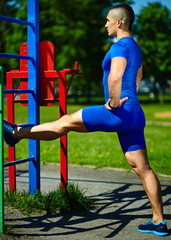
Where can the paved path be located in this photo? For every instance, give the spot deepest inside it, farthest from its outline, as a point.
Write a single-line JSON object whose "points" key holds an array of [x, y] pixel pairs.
{"points": [[122, 205], [159, 123]]}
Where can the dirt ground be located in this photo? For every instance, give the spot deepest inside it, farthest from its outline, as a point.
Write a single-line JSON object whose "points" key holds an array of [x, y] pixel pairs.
{"points": [[163, 115]]}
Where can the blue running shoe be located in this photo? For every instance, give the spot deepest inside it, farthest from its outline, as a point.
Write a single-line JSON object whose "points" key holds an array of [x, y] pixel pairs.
{"points": [[8, 134], [150, 227]]}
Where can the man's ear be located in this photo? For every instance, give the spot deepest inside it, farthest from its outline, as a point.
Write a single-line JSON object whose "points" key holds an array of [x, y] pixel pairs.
{"points": [[120, 22]]}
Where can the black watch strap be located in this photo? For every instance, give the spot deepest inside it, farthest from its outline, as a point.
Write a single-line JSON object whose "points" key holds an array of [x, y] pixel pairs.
{"points": [[113, 108]]}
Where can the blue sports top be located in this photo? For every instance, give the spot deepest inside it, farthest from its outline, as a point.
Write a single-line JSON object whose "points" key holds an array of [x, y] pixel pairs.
{"points": [[127, 48]]}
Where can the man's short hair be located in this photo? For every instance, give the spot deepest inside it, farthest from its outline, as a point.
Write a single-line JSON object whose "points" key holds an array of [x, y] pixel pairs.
{"points": [[126, 13]]}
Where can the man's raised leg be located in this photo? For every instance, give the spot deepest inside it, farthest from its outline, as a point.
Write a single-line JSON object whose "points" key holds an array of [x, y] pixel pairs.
{"points": [[51, 130]]}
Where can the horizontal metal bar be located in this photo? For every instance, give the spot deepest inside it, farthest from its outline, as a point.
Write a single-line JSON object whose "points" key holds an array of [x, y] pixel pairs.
{"points": [[18, 161], [19, 91], [45, 100], [7, 55], [14, 20], [25, 125], [56, 74]]}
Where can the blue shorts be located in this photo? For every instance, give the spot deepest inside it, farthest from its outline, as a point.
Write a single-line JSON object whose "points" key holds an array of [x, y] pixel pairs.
{"points": [[128, 121]]}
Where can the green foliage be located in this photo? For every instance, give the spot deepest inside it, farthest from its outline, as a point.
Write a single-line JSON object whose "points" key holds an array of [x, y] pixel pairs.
{"points": [[58, 201], [76, 28], [73, 199], [26, 203], [153, 32], [10, 41]]}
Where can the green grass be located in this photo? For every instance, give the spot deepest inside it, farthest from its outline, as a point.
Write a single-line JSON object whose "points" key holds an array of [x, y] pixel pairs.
{"points": [[151, 109], [58, 201], [102, 149]]}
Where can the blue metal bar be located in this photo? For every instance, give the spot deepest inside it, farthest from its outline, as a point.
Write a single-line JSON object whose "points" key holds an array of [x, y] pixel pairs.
{"points": [[25, 125], [18, 162], [16, 56], [33, 100], [18, 91], [14, 20]]}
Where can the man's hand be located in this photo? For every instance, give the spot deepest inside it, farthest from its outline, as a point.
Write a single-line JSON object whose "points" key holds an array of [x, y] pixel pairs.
{"points": [[120, 104]]}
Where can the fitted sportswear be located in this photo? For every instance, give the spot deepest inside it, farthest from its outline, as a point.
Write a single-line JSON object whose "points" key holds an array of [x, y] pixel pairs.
{"points": [[128, 121]]}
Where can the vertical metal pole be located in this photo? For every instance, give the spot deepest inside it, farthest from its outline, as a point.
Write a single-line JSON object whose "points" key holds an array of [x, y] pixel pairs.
{"points": [[33, 83], [63, 140], [11, 150], [1, 155]]}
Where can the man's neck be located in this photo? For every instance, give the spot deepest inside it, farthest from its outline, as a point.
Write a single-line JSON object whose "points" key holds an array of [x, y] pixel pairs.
{"points": [[121, 34]]}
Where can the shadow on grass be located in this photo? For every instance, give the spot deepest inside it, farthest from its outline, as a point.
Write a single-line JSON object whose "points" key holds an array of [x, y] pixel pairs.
{"points": [[114, 211]]}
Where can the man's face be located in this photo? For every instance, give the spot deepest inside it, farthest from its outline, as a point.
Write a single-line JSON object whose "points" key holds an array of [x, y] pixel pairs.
{"points": [[111, 24]]}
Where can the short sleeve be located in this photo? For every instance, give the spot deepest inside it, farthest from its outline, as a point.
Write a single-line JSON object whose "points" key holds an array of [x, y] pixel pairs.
{"points": [[119, 50]]}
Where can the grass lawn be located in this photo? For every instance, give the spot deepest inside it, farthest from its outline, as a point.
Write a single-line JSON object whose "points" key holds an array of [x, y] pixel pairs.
{"points": [[102, 149]]}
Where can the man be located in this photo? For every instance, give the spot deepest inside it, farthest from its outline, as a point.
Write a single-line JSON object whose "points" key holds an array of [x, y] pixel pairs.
{"points": [[122, 72]]}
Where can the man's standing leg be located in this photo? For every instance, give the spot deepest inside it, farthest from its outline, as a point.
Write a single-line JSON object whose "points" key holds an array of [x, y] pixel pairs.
{"points": [[139, 162]]}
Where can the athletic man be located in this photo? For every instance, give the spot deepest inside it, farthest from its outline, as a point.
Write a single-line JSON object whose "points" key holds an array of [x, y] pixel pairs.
{"points": [[122, 68]]}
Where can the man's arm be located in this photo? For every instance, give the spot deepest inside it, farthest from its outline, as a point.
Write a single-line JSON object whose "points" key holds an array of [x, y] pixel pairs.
{"points": [[117, 70], [139, 77]]}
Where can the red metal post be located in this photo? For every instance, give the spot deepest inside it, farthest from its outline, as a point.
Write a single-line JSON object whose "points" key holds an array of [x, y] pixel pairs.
{"points": [[47, 98], [63, 140], [76, 66], [10, 118]]}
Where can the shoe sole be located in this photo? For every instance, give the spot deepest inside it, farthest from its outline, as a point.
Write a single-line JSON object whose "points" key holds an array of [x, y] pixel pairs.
{"points": [[154, 232]]}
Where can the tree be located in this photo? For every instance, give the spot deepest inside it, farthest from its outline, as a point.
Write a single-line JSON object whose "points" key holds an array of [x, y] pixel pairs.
{"points": [[8, 8], [76, 33], [77, 30], [153, 31]]}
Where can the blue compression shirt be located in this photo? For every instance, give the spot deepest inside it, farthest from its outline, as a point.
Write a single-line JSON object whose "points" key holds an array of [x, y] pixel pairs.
{"points": [[127, 48], [128, 120]]}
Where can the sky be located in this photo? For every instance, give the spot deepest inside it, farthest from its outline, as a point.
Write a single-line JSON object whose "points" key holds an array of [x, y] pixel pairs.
{"points": [[139, 4]]}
